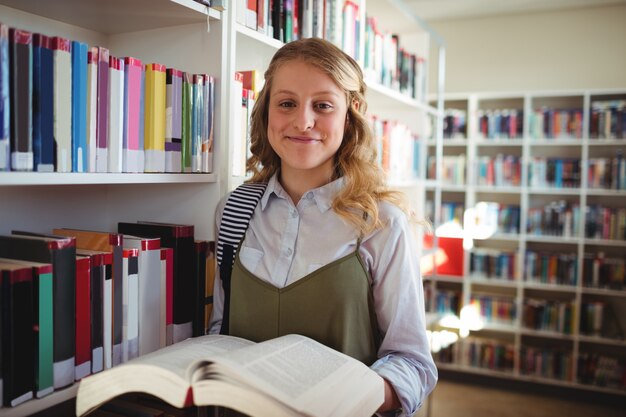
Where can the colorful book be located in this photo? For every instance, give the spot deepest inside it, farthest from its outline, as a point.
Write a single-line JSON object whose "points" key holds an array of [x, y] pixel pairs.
{"points": [[80, 153], [132, 152], [197, 121], [187, 108], [83, 317], [42, 324], [154, 119], [62, 93], [207, 125], [92, 106], [173, 119], [21, 87], [106, 242], [5, 99], [43, 105], [61, 253], [18, 336], [102, 110], [116, 114]]}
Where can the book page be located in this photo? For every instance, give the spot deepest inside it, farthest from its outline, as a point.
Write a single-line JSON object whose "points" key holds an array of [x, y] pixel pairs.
{"points": [[304, 374]]}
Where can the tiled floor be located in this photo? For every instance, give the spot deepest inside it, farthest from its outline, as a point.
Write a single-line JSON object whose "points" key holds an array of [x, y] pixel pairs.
{"points": [[467, 399]]}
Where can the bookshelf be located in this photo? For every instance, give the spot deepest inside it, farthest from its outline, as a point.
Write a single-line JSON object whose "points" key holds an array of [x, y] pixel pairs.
{"points": [[191, 37], [548, 281]]}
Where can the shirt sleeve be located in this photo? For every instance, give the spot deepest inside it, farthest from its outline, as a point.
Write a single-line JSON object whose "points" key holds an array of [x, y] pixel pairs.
{"points": [[404, 355]]}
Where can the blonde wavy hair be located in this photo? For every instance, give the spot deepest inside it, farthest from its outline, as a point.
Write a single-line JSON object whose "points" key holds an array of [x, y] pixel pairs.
{"points": [[355, 159]]}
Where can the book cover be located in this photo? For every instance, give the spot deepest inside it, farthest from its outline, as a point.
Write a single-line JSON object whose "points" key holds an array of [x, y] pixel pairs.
{"points": [[209, 142], [62, 93], [173, 119], [61, 253], [18, 336], [43, 105], [102, 110], [42, 324], [83, 317], [92, 107], [79, 107], [181, 238], [132, 153], [21, 87], [154, 119], [5, 99], [210, 270], [200, 257], [116, 114], [285, 376]]}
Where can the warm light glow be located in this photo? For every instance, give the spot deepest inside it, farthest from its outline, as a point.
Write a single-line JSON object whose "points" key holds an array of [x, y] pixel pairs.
{"points": [[441, 339], [430, 260]]}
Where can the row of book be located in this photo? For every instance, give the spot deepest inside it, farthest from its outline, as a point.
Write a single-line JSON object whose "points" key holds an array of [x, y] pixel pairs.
{"points": [[501, 170], [550, 123], [398, 149], [76, 302], [71, 107], [607, 173], [500, 123], [447, 302], [453, 169], [549, 315], [554, 172], [602, 271], [493, 264], [602, 370], [551, 268], [551, 363], [489, 354], [454, 124], [557, 218], [605, 222], [608, 120], [494, 309]]}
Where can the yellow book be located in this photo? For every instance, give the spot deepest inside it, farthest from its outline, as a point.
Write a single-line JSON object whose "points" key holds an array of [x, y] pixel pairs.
{"points": [[154, 118]]}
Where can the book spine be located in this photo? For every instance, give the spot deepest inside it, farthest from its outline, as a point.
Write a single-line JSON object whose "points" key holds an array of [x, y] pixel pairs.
{"points": [[43, 314], [187, 108], [79, 107], [116, 114], [43, 105], [196, 123], [133, 70], [98, 272], [92, 106], [5, 98], [83, 318], [173, 120], [21, 86], [102, 125], [154, 142], [62, 75]]}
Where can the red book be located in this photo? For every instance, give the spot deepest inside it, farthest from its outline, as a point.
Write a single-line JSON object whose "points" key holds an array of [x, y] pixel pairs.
{"points": [[83, 317]]}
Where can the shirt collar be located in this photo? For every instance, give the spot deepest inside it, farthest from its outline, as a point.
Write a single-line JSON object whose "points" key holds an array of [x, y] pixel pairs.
{"points": [[323, 196]]}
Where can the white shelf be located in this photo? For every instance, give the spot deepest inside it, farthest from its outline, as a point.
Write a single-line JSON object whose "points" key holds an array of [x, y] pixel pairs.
{"points": [[39, 404], [72, 178]]}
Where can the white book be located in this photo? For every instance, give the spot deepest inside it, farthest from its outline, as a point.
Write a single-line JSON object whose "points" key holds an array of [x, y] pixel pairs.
{"points": [[291, 375], [130, 305], [62, 69], [149, 277], [108, 322]]}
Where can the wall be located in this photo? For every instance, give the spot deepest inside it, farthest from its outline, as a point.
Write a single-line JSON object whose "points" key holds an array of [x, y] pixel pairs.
{"points": [[572, 49]]}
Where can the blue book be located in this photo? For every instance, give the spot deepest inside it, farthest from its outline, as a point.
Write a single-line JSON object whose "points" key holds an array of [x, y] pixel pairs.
{"points": [[5, 108], [43, 104], [79, 107]]}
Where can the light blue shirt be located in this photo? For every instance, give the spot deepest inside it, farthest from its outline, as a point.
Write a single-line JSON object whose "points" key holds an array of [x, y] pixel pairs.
{"points": [[284, 243]]}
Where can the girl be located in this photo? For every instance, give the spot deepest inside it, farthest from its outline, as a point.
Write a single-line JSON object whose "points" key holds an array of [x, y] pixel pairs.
{"points": [[329, 252]]}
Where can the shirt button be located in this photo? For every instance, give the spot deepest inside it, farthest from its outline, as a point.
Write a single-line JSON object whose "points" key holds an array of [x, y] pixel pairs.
{"points": [[309, 195], [288, 252], [294, 213]]}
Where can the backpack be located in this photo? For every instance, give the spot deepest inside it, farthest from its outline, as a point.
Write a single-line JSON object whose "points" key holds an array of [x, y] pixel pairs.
{"points": [[236, 217]]}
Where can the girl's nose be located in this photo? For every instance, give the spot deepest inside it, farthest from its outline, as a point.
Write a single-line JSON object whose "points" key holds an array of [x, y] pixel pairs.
{"points": [[304, 119]]}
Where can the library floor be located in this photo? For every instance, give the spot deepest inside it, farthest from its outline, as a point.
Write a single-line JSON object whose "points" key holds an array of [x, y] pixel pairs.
{"points": [[455, 399]]}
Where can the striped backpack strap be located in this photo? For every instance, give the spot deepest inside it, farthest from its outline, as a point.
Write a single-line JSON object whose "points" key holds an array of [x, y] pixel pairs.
{"points": [[236, 217]]}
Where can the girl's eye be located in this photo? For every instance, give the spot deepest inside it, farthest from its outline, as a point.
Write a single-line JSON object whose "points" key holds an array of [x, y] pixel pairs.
{"points": [[286, 104], [324, 106]]}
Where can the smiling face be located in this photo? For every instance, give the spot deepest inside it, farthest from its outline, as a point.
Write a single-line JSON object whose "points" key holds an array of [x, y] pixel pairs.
{"points": [[306, 120]]}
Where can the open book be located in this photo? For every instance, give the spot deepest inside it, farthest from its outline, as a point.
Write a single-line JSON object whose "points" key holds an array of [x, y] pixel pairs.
{"points": [[288, 376]]}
